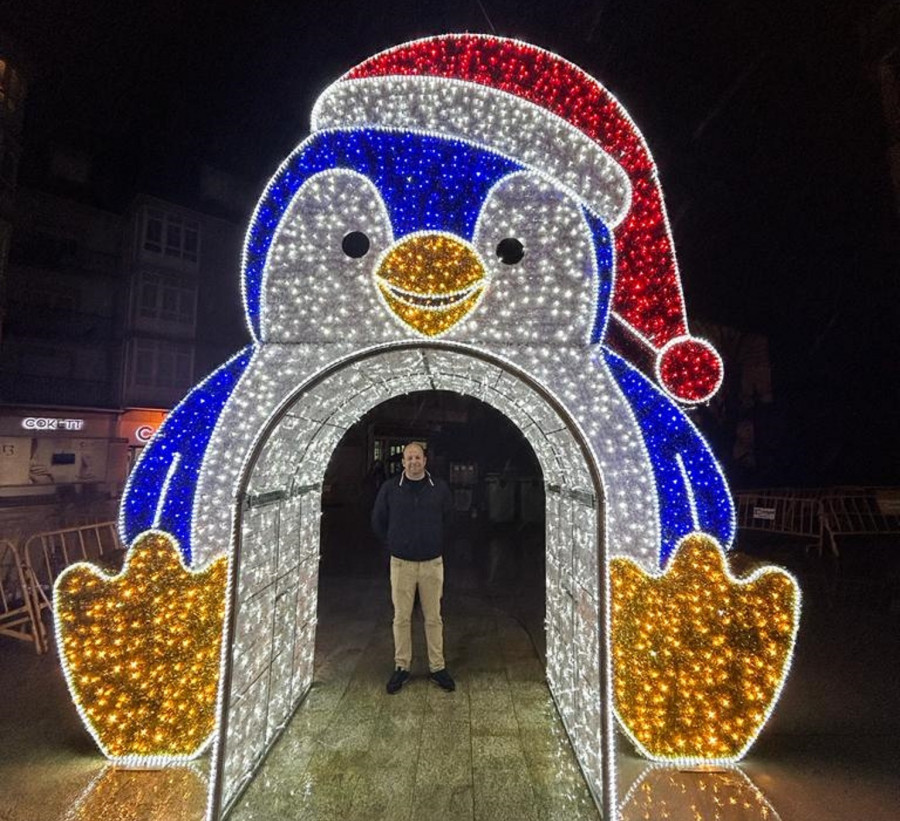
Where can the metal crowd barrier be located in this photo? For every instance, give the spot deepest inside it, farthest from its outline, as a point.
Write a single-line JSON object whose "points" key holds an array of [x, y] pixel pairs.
{"points": [[782, 512], [18, 615], [868, 512], [821, 516], [27, 574], [48, 554]]}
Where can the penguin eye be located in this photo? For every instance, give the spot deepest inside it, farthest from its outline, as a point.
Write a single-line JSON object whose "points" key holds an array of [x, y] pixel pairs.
{"points": [[510, 251], [355, 244]]}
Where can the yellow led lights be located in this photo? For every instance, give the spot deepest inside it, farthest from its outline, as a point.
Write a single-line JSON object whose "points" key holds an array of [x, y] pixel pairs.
{"points": [[176, 793], [720, 794], [141, 650], [699, 655], [431, 281]]}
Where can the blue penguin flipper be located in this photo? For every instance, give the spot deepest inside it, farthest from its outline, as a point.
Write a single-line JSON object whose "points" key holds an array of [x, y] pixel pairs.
{"points": [[693, 494], [160, 490]]}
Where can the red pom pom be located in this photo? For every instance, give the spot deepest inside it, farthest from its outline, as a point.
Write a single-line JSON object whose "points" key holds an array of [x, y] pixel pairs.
{"points": [[689, 369]]}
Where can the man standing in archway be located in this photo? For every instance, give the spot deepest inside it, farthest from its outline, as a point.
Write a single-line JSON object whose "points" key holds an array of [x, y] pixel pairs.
{"points": [[409, 517]]}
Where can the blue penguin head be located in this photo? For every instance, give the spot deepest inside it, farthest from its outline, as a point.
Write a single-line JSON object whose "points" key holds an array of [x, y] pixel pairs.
{"points": [[328, 251]]}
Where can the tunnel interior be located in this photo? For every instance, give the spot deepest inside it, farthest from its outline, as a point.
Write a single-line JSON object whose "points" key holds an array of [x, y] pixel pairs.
{"points": [[495, 539]]}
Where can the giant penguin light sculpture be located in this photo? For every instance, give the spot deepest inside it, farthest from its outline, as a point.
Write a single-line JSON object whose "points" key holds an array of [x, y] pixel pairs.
{"points": [[482, 194], [479, 190]]}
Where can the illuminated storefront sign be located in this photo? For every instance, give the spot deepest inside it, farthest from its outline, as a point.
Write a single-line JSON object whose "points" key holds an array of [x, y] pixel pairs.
{"points": [[139, 425], [144, 433], [51, 423]]}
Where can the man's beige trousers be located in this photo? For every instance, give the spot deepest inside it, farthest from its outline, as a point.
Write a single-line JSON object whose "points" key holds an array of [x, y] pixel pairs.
{"points": [[428, 576]]}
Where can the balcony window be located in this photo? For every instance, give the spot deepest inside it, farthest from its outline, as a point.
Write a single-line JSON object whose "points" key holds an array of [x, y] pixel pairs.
{"points": [[171, 235], [153, 231], [162, 364], [173, 238], [166, 299]]}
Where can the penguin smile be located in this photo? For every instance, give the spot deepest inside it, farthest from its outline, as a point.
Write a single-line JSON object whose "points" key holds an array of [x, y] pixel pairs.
{"points": [[431, 281], [436, 302]]}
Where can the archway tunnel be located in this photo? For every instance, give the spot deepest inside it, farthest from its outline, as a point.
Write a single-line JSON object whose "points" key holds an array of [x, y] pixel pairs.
{"points": [[525, 558]]}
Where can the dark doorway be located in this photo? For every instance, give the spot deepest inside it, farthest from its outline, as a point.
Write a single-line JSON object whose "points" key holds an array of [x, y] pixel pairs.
{"points": [[495, 544]]}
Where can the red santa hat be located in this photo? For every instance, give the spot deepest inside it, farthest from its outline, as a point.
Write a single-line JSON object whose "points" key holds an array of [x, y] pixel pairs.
{"points": [[547, 113]]}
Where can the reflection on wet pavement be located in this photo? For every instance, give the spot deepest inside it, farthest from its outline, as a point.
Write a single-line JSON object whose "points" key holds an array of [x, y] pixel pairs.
{"points": [[494, 749], [119, 794], [695, 794]]}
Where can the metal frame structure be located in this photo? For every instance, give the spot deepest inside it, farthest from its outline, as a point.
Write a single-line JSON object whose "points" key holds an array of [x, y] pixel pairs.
{"points": [[27, 574], [243, 503], [19, 614]]}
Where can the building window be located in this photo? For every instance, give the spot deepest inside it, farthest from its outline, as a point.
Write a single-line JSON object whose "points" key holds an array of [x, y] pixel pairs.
{"points": [[166, 299], [153, 222], [171, 235], [41, 360], [162, 364], [42, 297]]}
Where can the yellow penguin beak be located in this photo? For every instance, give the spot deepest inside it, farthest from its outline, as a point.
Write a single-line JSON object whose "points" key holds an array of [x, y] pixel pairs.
{"points": [[431, 281]]}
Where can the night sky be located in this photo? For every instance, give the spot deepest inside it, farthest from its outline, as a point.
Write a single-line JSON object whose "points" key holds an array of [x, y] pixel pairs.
{"points": [[764, 119]]}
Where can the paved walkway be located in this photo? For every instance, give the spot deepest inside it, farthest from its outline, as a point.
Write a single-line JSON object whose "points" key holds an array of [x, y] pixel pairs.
{"points": [[493, 749]]}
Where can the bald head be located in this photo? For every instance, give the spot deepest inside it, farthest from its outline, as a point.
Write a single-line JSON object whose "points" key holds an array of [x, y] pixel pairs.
{"points": [[414, 461]]}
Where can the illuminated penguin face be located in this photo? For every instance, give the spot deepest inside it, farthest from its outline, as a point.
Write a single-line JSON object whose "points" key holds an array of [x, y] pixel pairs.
{"points": [[394, 233]]}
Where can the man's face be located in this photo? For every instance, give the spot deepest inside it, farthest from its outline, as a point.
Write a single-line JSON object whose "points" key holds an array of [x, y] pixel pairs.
{"points": [[414, 461]]}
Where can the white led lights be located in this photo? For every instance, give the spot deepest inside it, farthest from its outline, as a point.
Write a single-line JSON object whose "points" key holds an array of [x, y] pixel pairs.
{"points": [[486, 116], [378, 263], [279, 537], [274, 373]]}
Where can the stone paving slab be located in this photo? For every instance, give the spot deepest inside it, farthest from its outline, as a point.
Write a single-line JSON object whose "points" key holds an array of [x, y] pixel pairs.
{"points": [[486, 752]]}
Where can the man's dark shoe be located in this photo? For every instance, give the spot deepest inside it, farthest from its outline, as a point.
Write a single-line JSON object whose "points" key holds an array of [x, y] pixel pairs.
{"points": [[443, 680], [397, 680]]}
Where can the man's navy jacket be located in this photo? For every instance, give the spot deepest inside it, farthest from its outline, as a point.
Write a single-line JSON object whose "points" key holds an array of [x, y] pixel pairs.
{"points": [[409, 516]]}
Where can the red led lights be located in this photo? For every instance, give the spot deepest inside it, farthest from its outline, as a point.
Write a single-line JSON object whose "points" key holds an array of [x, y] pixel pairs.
{"points": [[690, 369], [647, 295]]}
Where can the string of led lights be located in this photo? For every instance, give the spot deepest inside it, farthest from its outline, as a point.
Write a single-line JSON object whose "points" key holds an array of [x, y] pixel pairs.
{"points": [[470, 213]]}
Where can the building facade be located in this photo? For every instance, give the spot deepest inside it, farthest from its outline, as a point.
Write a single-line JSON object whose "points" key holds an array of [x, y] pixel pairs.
{"points": [[13, 90], [104, 335]]}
